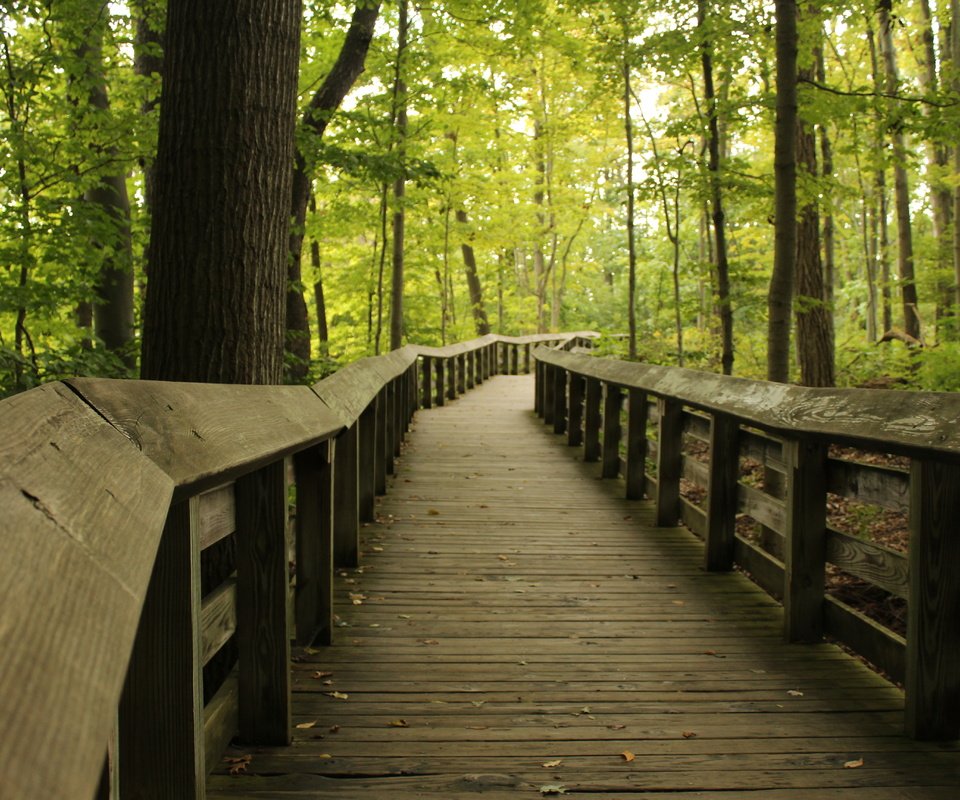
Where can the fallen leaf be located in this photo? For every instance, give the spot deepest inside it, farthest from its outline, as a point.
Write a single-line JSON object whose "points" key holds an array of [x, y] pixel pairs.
{"points": [[305, 725], [334, 729], [433, 512], [477, 703], [311, 651], [617, 727], [503, 557], [338, 695], [399, 723], [627, 755], [404, 616], [238, 765], [377, 549], [794, 693], [679, 603], [319, 675], [713, 653], [552, 764], [428, 641], [324, 755], [552, 788], [689, 735], [853, 764]]}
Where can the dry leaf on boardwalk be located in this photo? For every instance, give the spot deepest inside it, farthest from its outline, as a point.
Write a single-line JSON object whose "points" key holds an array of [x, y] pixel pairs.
{"points": [[338, 695], [399, 723], [689, 735], [320, 675], [853, 764], [428, 641], [553, 788], [305, 725], [552, 764], [628, 756], [433, 512], [794, 693], [239, 764]]}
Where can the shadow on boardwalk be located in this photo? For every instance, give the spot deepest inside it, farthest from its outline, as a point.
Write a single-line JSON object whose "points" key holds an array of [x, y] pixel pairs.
{"points": [[517, 629]]}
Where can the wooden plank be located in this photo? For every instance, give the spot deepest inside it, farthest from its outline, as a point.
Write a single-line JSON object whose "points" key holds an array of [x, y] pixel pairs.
{"points": [[381, 455], [879, 645], [635, 468], [612, 434], [218, 619], [722, 493], [82, 517], [549, 394], [161, 712], [592, 421], [766, 510], [346, 499], [216, 515], [868, 483], [262, 638], [766, 570], [933, 647], [881, 566], [440, 366], [426, 374], [559, 401], [366, 462], [575, 426], [669, 461], [221, 721]]}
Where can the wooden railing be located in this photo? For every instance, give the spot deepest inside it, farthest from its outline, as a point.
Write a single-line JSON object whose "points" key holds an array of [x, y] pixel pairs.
{"points": [[111, 491], [790, 431]]}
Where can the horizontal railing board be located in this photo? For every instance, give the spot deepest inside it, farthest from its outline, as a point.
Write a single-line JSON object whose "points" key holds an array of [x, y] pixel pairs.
{"points": [[218, 619], [918, 424], [83, 511], [203, 434], [886, 487], [879, 565]]}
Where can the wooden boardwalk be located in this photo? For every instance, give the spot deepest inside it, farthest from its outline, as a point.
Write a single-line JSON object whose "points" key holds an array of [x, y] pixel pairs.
{"points": [[517, 629]]}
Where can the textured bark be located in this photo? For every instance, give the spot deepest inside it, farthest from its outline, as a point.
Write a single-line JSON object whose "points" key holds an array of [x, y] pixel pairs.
{"points": [[400, 184], [631, 203], [215, 308], [473, 281], [780, 295], [901, 188], [340, 79], [722, 264]]}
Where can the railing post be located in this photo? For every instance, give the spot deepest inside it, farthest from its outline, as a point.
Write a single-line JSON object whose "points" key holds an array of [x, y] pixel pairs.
{"points": [[389, 427], [612, 404], [549, 391], [426, 394], [933, 637], [263, 641], [636, 472], [461, 373], [380, 452], [441, 396], [346, 500], [396, 390], [367, 462], [559, 400], [515, 359], [804, 539], [724, 472], [313, 604], [504, 358], [669, 461], [471, 368], [538, 381], [575, 411], [526, 358], [592, 420], [452, 378], [161, 709]]}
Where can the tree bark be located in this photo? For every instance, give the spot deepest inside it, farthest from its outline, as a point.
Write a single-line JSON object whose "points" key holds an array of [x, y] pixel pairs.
{"points": [[722, 264], [631, 200], [473, 280], [215, 309], [780, 295], [344, 73], [400, 184]]}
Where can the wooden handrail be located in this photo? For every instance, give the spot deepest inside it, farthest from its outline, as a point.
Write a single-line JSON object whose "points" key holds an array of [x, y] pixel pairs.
{"points": [[111, 489], [789, 429]]}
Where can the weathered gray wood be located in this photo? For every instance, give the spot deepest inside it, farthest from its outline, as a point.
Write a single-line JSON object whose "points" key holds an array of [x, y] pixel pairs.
{"points": [[452, 378], [204, 435], [161, 711], [592, 420], [575, 412], [471, 369], [612, 434], [526, 358], [763, 449], [549, 394], [311, 580], [346, 499], [82, 516], [881, 566], [389, 396], [879, 645], [805, 551], [262, 638], [722, 493], [538, 388], [514, 359], [882, 486], [636, 467], [439, 365], [216, 515], [218, 619], [764, 568], [383, 462], [366, 462], [669, 460], [461, 373], [559, 401], [933, 645], [767, 510], [221, 721], [426, 374]]}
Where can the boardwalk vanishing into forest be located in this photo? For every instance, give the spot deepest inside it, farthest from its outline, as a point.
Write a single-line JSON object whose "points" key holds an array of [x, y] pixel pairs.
{"points": [[518, 629]]}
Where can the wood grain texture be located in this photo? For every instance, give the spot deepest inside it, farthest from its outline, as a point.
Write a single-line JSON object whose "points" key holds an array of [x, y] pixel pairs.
{"points": [[216, 515], [82, 517], [612, 431], [218, 619], [492, 629]]}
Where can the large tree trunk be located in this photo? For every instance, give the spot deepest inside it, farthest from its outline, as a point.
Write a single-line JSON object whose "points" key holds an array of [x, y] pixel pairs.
{"points": [[780, 295], [901, 188], [400, 184], [342, 76], [473, 280], [215, 308]]}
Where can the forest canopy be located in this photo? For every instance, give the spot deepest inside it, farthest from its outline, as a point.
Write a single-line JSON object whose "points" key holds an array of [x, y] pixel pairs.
{"points": [[518, 167]]}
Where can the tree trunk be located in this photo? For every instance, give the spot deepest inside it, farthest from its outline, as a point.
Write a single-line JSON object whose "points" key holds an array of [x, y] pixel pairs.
{"points": [[400, 184], [215, 309], [724, 305], [340, 79], [901, 189], [780, 295], [631, 201], [473, 280]]}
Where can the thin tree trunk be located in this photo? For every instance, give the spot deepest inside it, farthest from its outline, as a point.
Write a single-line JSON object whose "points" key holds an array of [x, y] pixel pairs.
{"points": [[473, 279], [384, 212], [780, 295], [631, 199], [313, 124], [901, 188], [399, 185]]}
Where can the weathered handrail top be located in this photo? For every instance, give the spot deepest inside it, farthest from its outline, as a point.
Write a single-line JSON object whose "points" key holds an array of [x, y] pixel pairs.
{"points": [[916, 424], [202, 434], [82, 517]]}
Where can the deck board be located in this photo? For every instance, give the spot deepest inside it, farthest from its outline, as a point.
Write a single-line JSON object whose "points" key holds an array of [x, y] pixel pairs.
{"points": [[513, 611]]}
